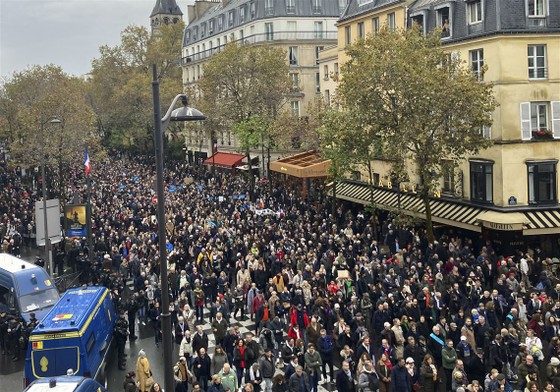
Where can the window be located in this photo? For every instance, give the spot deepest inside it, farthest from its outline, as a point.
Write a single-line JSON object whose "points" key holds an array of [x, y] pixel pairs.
{"points": [[295, 108], [317, 82], [442, 20], [241, 35], [419, 20], [348, 35], [292, 29], [269, 7], [318, 52], [335, 71], [90, 342], [486, 132], [318, 30], [481, 181], [476, 58], [326, 72], [541, 178], [220, 22], [317, 6], [540, 120], [230, 19], [293, 55], [295, 81], [291, 6], [242, 15], [375, 25], [536, 8], [203, 30], [474, 11], [448, 174], [269, 31], [536, 55], [361, 30], [211, 27], [327, 97], [391, 21], [253, 10]]}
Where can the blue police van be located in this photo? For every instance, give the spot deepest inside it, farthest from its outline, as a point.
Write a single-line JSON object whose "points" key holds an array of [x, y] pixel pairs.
{"points": [[25, 288], [76, 334]]}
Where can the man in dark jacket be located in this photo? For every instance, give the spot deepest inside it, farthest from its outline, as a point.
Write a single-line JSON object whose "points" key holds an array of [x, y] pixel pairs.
{"points": [[345, 379], [325, 346], [400, 379], [201, 367], [299, 381], [266, 364]]}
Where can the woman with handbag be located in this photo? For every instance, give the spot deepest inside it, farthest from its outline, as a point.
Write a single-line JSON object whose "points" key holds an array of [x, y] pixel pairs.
{"points": [[428, 374], [144, 372], [383, 369]]}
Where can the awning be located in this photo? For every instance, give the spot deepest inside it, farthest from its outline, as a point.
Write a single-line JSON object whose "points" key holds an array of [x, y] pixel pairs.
{"points": [[542, 222], [443, 211], [504, 221], [303, 165], [224, 159]]}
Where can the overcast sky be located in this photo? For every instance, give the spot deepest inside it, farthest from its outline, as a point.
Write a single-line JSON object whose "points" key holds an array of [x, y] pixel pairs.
{"points": [[67, 33]]}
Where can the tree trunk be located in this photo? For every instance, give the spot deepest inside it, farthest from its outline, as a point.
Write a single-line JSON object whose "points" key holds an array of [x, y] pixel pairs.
{"points": [[429, 228], [251, 177], [371, 199]]}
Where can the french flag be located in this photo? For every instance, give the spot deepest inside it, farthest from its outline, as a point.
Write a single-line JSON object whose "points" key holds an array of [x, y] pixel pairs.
{"points": [[86, 163]]}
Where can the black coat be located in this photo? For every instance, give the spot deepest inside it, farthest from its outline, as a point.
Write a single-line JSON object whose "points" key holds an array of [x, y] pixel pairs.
{"points": [[205, 367], [343, 383]]}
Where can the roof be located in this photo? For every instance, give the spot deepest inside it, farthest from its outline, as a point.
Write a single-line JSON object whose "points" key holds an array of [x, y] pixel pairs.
{"points": [[303, 165], [14, 265], [354, 9], [167, 7], [72, 311], [63, 384], [224, 159]]}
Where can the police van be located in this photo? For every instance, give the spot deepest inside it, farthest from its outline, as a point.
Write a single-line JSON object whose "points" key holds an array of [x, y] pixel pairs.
{"points": [[76, 334], [25, 288]]}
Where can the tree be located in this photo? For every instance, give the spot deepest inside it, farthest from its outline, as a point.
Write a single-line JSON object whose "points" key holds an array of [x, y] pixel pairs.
{"points": [[121, 91], [420, 100], [243, 88], [33, 97]]}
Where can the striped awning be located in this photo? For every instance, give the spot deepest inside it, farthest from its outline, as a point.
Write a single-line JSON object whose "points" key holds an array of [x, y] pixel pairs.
{"points": [[542, 222], [443, 211]]}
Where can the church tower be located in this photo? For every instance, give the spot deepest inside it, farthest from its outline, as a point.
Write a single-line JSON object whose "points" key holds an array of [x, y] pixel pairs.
{"points": [[164, 12]]}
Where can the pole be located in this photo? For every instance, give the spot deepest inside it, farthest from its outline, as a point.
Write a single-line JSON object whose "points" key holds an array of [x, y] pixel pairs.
{"points": [[48, 253], [165, 315], [88, 218]]}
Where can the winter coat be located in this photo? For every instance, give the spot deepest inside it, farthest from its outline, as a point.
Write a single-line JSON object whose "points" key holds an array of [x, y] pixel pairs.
{"points": [[143, 372], [218, 362]]}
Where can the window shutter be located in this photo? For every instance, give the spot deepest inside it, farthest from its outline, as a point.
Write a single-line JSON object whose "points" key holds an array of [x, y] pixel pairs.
{"points": [[525, 109], [555, 109], [486, 132]]}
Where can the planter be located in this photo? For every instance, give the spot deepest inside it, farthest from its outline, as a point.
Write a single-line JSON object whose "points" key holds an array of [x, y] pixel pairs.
{"points": [[542, 135]]}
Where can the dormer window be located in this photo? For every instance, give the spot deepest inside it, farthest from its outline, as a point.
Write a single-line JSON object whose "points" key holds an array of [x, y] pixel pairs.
{"points": [[220, 23], [536, 8], [474, 11], [291, 6], [443, 20], [242, 15], [211, 27]]}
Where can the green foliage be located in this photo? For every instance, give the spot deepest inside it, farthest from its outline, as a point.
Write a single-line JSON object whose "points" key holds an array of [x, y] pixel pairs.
{"points": [[422, 103], [121, 87]]}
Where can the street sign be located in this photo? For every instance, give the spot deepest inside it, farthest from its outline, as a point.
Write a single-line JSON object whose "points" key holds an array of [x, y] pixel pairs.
{"points": [[53, 221]]}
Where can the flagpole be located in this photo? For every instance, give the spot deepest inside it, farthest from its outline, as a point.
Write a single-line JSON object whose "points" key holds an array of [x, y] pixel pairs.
{"points": [[88, 214]]}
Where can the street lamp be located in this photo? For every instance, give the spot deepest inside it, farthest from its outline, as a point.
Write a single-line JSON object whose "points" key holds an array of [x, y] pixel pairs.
{"points": [[48, 251], [185, 113]]}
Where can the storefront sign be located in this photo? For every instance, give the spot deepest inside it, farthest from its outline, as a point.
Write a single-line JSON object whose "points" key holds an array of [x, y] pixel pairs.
{"points": [[503, 226], [403, 187]]}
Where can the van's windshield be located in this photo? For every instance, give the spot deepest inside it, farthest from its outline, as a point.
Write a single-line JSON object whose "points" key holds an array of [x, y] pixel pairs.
{"points": [[39, 300]]}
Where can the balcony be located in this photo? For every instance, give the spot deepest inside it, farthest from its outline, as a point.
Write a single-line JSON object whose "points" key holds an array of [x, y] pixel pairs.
{"points": [[277, 36]]}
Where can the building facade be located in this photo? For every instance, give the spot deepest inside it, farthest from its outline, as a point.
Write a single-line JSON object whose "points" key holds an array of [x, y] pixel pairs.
{"points": [[509, 192], [301, 28]]}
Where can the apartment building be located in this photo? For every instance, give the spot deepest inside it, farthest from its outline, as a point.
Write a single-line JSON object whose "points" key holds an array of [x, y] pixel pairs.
{"points": [[509, 192], [301, 28]]}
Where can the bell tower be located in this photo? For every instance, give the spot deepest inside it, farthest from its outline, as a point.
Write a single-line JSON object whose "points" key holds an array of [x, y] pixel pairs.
{"points": [[164, 12]]}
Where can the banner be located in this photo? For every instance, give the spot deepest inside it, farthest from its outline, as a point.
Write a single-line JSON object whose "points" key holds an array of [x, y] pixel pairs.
{"points": [[75, 220]]}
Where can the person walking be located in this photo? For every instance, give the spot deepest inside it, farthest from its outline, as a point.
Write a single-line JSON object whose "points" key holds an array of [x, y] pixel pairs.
{"points": [[313, 365], [201, 366], [345, 379], [144, 372], [129, 383], [266, 364], [449, 359], [299, 381]]}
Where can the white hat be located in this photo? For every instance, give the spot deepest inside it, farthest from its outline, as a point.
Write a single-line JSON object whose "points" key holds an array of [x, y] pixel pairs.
{"points": [[554, 361], [409, 360], [386, 324], [106, 256], [463, 337], [141, 353]]}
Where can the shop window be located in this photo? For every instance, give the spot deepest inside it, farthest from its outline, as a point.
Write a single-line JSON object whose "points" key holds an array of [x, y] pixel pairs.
{"points": [[481, 181]]}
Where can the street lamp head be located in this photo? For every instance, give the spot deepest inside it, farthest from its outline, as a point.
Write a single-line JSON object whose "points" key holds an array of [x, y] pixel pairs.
{"points": [[55, 120], [187, 113]]}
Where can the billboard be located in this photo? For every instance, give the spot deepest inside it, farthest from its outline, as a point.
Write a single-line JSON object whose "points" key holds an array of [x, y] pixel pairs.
{"points": [[75, 218]]}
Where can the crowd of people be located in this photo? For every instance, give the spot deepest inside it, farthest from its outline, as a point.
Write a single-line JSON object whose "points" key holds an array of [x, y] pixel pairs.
{"points": [[339, 297]]}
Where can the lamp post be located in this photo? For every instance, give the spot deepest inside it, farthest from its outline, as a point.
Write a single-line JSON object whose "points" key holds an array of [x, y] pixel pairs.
{"points": [[48, 252], [185, 113]]}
